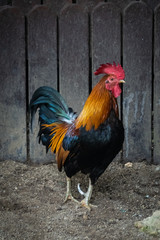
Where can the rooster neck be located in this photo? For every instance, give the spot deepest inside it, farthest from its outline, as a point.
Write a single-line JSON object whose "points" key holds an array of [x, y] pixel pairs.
{"points": [[97, 107]]}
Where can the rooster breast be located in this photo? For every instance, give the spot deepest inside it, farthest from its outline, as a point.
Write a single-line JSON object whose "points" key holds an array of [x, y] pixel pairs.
{"points": [[96, 148]]}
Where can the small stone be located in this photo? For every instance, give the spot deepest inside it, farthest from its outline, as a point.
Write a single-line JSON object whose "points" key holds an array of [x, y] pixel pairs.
{"points": [[85, 217], [128, 165], [157, 168], [150, 225]]}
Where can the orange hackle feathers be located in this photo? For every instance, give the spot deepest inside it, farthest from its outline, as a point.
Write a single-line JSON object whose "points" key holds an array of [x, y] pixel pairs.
{"points": [[97, 107]]}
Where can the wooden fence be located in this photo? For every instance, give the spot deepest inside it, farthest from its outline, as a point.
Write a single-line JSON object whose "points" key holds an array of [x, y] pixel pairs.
{"points": [[60, 43]]}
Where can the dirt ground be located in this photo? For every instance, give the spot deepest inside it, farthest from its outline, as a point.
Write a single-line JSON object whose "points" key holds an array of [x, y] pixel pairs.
{"points": [[32, 208]]}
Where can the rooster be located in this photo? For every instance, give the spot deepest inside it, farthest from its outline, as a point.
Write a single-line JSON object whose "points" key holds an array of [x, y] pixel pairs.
{"points": [[88, 142]]}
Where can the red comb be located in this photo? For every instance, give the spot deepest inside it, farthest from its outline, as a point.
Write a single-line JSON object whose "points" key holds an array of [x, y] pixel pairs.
{"points": [[111, 69]]}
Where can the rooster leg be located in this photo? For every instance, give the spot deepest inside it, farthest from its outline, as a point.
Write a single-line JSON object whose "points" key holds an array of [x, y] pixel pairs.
{"points": [[69, 194], [88, 194]]}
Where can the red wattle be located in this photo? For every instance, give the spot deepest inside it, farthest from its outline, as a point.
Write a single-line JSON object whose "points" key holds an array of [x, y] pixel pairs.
{"points": [[116, 91]]}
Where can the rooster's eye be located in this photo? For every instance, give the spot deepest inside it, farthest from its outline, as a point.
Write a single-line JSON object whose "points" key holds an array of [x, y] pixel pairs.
{"points": [[111, 79]]}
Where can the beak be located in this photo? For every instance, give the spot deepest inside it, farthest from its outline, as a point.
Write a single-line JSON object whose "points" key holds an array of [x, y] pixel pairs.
{"points": [[121, 81]]}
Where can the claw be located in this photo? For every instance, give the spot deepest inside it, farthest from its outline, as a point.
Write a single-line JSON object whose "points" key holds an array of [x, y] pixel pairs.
{"points": [[80, 191], [87, 205]]}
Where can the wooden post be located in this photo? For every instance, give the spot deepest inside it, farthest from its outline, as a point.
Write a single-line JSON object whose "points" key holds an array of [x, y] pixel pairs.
{"points": [[137, 62], [106, 36], [74, 56], [12, 85], [42, 67]]}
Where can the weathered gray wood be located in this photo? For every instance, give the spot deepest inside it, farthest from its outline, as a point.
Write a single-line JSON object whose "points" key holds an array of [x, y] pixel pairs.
{"points": [[73, 56], [121, 3], [137, 59], [42, 66], [25, 5], [12, 86], [56, 5], [152, 3], [88, 5], [156, 125], [106, 36]]}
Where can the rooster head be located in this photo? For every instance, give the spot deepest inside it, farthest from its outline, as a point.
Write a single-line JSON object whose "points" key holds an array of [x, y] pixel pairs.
{"points": [[115, 75]]}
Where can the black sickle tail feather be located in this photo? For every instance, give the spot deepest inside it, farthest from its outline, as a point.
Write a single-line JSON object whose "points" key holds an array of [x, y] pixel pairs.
{"points": [[52, 108]]}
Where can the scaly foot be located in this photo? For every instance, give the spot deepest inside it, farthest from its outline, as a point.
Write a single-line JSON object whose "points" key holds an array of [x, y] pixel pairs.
{"points": [[69, 194], [70, 197]]}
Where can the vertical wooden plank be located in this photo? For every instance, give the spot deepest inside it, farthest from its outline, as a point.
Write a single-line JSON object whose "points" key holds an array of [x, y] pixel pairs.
{"points": [[73, 56], [12, 86], [25, 5], [106, 36], [156, 155], [42, 66], [137, 61]]}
